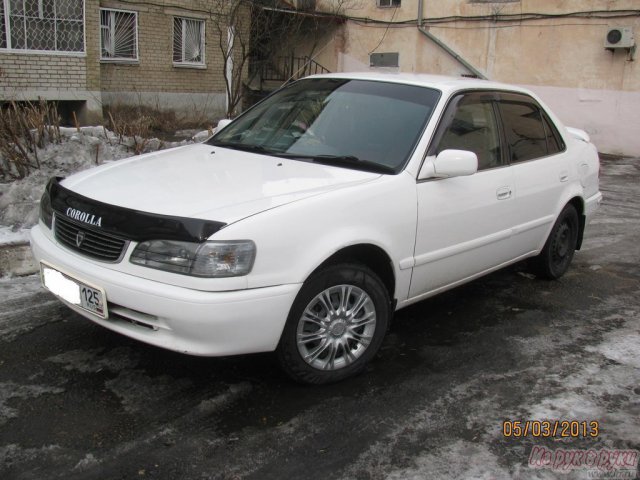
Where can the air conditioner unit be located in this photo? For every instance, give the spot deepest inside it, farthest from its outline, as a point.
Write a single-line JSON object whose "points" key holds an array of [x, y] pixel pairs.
{"points": [[619, 37]]}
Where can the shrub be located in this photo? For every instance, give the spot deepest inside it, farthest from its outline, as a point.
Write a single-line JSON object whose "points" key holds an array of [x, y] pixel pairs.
{"points": [[25, 127]]}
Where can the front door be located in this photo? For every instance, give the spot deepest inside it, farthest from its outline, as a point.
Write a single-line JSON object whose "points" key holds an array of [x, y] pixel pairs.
{"points": [[464, 223]]}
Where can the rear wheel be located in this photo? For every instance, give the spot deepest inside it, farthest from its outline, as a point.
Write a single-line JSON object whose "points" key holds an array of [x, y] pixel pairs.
{"points": [[556, 256], [336, 324]]}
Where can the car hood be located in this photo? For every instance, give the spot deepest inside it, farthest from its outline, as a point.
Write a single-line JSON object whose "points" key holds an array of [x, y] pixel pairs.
{"points": [[207, 182]]}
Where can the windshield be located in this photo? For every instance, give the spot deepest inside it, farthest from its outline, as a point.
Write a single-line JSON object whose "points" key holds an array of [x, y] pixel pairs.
{"points": [[350, 123]]}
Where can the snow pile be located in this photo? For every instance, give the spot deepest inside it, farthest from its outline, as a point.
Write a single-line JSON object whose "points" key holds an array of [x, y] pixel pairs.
{"points": [[10, 237], [79, 150]]}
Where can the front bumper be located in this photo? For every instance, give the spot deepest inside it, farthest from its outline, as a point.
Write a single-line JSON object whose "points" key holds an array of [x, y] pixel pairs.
{"points": [[177, 318]]}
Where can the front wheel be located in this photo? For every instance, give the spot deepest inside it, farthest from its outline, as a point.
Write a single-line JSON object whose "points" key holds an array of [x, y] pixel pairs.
{"points": [[335, 326], [556, 256]]}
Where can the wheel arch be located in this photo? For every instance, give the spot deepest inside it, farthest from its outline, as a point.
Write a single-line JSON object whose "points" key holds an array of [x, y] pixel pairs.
{"points": [[370, 255], [578, 204]]}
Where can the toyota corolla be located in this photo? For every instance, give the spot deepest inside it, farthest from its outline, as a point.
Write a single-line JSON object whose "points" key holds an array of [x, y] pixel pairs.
{"points": [[304, 224]]}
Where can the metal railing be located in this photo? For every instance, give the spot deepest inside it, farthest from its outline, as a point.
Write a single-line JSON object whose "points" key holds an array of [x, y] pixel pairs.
{"points": [[288, 68]]}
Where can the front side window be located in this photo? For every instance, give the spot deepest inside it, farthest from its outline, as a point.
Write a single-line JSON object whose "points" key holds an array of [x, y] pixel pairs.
{"points": [[375, 123], [118, 35], [188, 41], [526, 137], [42, 25], [470, 124]]}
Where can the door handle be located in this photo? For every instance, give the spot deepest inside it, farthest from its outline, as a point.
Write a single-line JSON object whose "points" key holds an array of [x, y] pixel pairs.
{"points": [[503, 193], [564, 176]]}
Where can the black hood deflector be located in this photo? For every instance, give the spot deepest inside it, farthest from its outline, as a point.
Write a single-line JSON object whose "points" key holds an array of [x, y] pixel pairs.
{"points": [[128, 223]]}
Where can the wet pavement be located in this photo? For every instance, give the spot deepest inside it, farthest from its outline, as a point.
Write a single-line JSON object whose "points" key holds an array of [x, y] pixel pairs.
{"points": [[77, 401]]}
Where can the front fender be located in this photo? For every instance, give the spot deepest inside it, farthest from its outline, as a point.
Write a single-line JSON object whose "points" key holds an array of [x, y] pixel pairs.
{"points": [[294, 239]]}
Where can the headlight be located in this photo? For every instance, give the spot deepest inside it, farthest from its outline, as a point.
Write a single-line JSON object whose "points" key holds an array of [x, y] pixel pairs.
{"points": [[208, 259], [46, 211]]}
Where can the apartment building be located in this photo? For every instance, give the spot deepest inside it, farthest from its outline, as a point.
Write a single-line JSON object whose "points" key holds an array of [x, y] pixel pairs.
{"points": [[87, 54]]}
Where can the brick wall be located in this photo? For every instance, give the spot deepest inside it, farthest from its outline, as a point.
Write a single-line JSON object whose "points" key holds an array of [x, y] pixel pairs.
{"points": [[154, 71], [30, 71], [83, 77], [57, 76], [92, 43]]}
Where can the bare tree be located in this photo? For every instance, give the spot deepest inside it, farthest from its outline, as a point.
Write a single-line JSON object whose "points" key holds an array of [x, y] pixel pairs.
{"points": [[255, 31]]}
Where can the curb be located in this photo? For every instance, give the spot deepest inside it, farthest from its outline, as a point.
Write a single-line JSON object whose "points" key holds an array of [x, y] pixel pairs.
{"points": [[16, 260]]}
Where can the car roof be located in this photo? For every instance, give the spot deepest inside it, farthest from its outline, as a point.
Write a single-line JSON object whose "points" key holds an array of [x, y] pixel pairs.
{"points": [[444, 83]]}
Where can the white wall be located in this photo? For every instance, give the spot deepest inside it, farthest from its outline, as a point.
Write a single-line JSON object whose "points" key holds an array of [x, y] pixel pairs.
{"points": [[610, 117]]}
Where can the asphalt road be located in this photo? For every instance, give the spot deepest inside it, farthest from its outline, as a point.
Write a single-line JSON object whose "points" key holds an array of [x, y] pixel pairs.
{"points": [[77, 401]]}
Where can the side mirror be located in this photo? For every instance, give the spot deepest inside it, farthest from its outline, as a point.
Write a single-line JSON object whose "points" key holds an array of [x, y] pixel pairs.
{"points": [[222, 123], [450, 163]]}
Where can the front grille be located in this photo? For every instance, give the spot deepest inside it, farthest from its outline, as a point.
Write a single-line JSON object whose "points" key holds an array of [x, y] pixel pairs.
{"points": [[95, 244]]}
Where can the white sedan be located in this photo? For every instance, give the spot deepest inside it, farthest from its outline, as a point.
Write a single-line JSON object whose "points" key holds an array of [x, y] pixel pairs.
{"points": [[301, 226]]}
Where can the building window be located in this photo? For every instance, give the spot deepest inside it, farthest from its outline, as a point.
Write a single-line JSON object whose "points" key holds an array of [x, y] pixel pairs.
{"points": [[388, 3], [42, 25], [118, 35], [3, 30], [188, 41], [389, 59]]}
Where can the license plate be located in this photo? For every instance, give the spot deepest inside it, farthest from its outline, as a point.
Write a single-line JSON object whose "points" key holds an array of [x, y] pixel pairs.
{"points": [[74, 291]]}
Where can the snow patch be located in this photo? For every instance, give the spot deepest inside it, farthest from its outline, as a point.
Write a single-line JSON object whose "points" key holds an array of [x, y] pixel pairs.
{"points": [[622, 346], [137, 390], [13, 288], [10, 237], [9, 390], [201, 136], [222, 400], [87, 462], [458, 460], [94, 360], [78, 150], [13, 453], [606, 378], [24, 295]]}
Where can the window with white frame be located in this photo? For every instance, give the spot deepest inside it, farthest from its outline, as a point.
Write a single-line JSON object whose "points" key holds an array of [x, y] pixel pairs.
{"points": [[42, 25], [389, 3], [118, 35], [188, 41]]}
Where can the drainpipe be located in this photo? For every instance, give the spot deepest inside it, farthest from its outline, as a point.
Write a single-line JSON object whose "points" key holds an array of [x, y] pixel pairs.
{"points": [[444, 46]]}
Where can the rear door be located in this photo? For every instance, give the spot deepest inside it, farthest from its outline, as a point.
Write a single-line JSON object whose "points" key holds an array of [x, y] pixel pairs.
{"points": [[540, 168]]}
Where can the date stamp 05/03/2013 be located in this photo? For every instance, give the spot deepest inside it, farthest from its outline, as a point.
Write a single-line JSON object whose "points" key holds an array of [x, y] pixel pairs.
{"points": [[551, 428], [600, 463]]}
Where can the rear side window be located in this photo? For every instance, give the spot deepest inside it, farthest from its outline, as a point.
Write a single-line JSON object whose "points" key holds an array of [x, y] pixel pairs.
{"points": [[554, 141], [524, 129]]}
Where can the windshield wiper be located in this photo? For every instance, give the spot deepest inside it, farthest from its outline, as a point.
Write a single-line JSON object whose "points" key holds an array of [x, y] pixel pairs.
{"points": [[353, 161], [243, 147], [349, 161]]}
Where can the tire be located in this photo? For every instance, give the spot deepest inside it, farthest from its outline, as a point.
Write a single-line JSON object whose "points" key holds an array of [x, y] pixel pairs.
{"points": [[326, 339], [555, 258]]}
